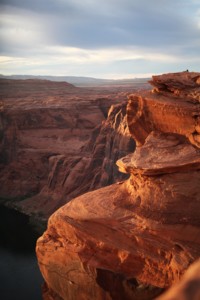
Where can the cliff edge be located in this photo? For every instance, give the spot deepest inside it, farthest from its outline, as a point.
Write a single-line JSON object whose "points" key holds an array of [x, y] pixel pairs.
{"points": [[132, 239]]}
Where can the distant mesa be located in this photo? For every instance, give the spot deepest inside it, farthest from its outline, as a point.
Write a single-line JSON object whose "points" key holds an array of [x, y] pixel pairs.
{"points": [[82, 81]]}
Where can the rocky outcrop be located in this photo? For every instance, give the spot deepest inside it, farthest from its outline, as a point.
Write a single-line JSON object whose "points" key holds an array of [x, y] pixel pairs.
{"points": [[171, 108], [133, 238], [186, 84]]}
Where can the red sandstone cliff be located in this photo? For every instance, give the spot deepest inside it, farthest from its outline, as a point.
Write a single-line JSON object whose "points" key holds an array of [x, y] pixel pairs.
{"points": [[127, 240]]}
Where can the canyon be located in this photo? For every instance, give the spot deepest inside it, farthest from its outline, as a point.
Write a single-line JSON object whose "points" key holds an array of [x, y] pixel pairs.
{"points": [[117, 182], [56, 142], [136, 237]]}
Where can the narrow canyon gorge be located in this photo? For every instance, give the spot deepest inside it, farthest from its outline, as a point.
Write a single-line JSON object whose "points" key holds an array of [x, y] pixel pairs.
{"points": [[57, 142]]}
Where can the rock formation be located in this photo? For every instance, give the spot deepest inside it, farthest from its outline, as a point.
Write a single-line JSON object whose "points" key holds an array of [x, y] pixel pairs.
{"points": [[131, 239], [188, 288]]}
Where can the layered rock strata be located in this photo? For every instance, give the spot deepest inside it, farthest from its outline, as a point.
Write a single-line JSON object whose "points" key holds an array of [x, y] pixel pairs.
{"points": [[174, 108], [93, 167], [37, 122], [42, 125], [133, 238]]}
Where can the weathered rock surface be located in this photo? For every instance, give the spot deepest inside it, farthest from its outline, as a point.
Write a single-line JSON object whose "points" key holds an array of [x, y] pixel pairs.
{"points": [[185, 84], [124, 233], [45, 124], [156, 112], [127, 240], [161, 154], [188, 288]]}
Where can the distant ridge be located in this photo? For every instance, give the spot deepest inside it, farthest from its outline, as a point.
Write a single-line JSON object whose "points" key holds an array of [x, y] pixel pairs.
{"points": [[81, 81]]}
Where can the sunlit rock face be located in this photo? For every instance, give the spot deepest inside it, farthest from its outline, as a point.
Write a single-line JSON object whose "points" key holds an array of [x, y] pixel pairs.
{"points": [[173, 106], [133, 238]]}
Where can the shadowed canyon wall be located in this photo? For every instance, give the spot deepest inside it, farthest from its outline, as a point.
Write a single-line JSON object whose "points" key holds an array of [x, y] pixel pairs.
{"points": [[91, 168]]}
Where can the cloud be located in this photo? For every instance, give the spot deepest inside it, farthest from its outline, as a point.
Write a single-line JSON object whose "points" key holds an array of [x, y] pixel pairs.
{"points": [[110, 33]]}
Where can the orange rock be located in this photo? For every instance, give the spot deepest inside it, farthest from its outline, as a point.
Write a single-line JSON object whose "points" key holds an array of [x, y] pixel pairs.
{"points": [[167, 111], [183, 84], [189, 286], [85, 243], [139, 229], [161, 154], [127, 240]]}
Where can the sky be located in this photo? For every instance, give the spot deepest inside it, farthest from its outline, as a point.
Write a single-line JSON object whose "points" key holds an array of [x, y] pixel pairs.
{"points": [[102, 39]]}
